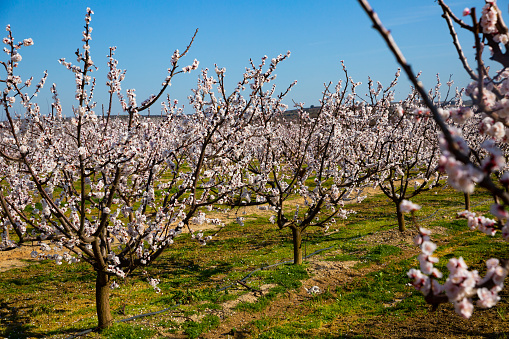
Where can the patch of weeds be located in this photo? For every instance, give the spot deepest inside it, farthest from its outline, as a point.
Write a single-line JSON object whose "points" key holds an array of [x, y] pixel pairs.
{"points": [[209, 306], [325, 295], [42, 309], [17, 331], [226, 296], [381, 251], [501, 313], [273, 334], [179, 297], [170, 326], [288, 276], [351, 246], [260, 324], [294, 329], [195, 328], [409, 305], [84, 310], [475, 248], [368, 295], [128, 331], [456, 225]]}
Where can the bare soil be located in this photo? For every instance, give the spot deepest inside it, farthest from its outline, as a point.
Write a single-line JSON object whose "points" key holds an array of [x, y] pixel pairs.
{"points": [[18, 257]]}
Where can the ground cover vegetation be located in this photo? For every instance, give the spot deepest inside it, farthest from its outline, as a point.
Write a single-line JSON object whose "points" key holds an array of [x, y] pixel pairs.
{"points": [[133, 205], [361, 276]]}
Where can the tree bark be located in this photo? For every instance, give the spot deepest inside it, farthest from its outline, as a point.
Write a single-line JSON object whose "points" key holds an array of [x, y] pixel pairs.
{"points": [[102, 300], [401, 219], [467, 201], [297, 245]]}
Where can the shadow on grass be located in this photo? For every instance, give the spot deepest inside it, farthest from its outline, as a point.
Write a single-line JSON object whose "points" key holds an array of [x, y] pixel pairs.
{"points": [[16, 322]]}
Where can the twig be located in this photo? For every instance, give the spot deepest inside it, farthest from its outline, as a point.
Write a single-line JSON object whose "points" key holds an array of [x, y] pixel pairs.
{"points": [[455, 40], [452, 145]]}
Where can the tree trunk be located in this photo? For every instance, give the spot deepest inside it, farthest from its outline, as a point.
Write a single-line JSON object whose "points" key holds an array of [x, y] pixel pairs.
{"points": [[467, 201], [401, 219], [102, 300], [297, 245]]}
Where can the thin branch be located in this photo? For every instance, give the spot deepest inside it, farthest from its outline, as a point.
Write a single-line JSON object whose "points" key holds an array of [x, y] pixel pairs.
{"points": [[455, 40], [452, 145]]}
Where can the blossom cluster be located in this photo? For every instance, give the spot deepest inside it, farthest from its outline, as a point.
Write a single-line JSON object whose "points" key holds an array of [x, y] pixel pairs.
{"points": [[462, 286]]}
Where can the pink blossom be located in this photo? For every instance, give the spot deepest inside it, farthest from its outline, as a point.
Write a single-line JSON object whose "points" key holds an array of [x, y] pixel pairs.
{"points": [[407, 206], [455, 264], [461, 115], [487, 298], [466, 214], [15, 57], [154, 282], [428, 247], [436, 273], [174, 58], [466, 11], [436, 287], [422, 236], [425, 265], [28, 42], [499, 211], [464, 308], [421, 281]]}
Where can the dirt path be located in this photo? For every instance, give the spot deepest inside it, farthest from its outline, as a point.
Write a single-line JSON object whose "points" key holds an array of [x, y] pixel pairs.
{"points": [[17, 257], [323, 273]]}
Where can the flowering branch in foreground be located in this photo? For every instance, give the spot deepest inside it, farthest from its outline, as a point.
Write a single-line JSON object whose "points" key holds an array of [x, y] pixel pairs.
{"points": [[466, 166]]}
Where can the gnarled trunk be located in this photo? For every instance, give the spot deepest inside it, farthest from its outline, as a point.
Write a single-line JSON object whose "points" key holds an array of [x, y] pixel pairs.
{"points": [[102, 300]]}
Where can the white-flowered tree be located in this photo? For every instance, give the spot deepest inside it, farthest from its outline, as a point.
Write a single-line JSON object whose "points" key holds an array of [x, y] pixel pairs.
{"points": [[305, 169], [113, 192], [466, 165], [116, 191], [409, 154]]}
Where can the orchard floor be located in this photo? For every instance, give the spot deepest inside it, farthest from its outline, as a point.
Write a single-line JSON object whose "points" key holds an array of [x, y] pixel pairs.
{"points": [[294, 313], [442, 323]]}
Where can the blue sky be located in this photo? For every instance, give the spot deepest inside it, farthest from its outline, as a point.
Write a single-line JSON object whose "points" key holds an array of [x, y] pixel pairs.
{"points": [[318, 33]]}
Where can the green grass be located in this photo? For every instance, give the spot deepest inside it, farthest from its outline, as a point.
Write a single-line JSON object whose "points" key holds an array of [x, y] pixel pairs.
{"points": [[380, 252], [128, 331], [46, 300], [195, 328], [288, 276], [262, 301]]}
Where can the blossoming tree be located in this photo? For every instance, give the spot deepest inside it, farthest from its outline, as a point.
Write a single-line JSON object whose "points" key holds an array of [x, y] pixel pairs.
{"points": [[306, 169], [489, 95], [114, 192], [410, 152]]}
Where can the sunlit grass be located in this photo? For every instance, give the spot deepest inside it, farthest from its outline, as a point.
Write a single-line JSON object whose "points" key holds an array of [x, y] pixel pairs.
{"points": [[46, 300]]}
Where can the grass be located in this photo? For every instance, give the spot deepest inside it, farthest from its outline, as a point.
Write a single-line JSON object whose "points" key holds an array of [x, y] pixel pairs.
{"points": [[381, 252], [46, 300], [128, 331], [195, 328]]}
